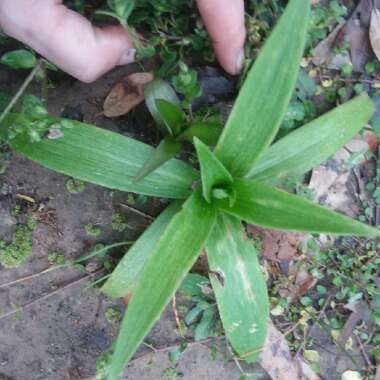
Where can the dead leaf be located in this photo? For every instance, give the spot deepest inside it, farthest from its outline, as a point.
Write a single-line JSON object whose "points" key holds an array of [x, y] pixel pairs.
{"points": [[355, 32], [126, 94], [360, 312], [277, 246], [278, 362], [374, 32]]}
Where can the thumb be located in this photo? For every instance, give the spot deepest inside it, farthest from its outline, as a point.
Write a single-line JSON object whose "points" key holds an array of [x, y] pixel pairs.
{"points": [[224, 20], [66, 38]]}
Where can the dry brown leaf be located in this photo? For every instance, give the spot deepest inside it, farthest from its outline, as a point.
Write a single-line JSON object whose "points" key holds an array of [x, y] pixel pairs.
{"points": [[360, 312], [278, 362], [355, 32], [277, 246], [374, 32], [126, 94]]}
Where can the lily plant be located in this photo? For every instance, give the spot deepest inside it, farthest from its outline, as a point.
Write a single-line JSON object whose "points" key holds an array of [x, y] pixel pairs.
{"points": [[236, 184]]}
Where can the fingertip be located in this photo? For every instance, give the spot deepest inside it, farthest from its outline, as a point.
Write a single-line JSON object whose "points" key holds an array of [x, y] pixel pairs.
{"points": [[230, 58], [224, 20]]}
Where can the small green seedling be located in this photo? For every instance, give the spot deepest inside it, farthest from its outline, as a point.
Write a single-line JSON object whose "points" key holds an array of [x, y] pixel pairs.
{"points": [[174, 125], [121, 11], [75, 186], [56, 258], [113, 316], [237, 182], [92, 230], [119, 223]]}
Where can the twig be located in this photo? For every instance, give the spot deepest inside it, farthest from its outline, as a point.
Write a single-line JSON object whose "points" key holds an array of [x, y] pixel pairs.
{"points": [[46, 296], [176, 316], [138, 212], [21, 90], [362, 349], [30, 277]]}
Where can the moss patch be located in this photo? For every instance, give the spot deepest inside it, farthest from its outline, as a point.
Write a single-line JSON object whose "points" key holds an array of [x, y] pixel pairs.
{"points": [[56, 258], [20, 248], [92, 230], [119, 223], [75, 186]]}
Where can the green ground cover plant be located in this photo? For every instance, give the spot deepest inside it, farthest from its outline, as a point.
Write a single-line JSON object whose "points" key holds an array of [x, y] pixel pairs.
{"points": [[236, 183]]}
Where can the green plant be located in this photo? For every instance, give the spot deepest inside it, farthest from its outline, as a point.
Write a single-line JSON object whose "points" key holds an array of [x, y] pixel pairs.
{"points": [[171, 120], [56, 258], [236, 183], [19, 249], [92, 230]]}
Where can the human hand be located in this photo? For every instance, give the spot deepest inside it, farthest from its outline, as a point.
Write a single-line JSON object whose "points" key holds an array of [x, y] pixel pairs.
{"points": [[69, 40]]}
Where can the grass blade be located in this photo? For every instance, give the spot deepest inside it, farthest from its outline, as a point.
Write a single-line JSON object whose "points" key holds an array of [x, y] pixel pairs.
{"points": [[242, 297], [107, 159], [124, 278], [267, 206], [173, 256], [264, 98], [312, 144], [166, 150]]}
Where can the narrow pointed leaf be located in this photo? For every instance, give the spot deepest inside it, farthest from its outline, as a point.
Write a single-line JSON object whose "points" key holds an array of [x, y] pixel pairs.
{"points": [[314, 143], [214, 175], [125, 277], [264, 97], [267, 206], [172, 115], [208, 133], [107, 159], [166, 150], [159, 89], [167, 266], [239, 287]]}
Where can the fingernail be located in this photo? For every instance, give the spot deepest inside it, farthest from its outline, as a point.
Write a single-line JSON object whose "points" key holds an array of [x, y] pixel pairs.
{"points": [[127, 57], [240, 62]]}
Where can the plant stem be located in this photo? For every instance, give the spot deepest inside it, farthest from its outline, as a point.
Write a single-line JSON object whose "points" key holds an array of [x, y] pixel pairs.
{"points": [[21, 90]]}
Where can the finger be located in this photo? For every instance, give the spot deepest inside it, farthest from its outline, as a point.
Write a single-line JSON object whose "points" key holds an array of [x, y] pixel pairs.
{"points": [[66, 38], [224, 20]]}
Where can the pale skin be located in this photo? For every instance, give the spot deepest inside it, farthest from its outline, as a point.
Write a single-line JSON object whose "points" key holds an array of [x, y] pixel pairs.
{"points": [[86, 52]]}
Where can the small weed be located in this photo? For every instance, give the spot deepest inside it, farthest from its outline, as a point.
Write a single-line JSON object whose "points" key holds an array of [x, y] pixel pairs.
{"points": [[113, 316], [20, 248], [56, 258], [119, 223], [16, 211], [75, 186], [102, 365], [170, 374], [92, 230]]}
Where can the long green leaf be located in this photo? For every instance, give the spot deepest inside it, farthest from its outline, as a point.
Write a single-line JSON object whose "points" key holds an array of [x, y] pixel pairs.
{"points": [[239, 286], [124, 278], [310, 145], [159, 89], [166, 150], [208, 133], [264, 98], [172, 115], [214, 175], [267, 206], [107, 159], [167, 266]]}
